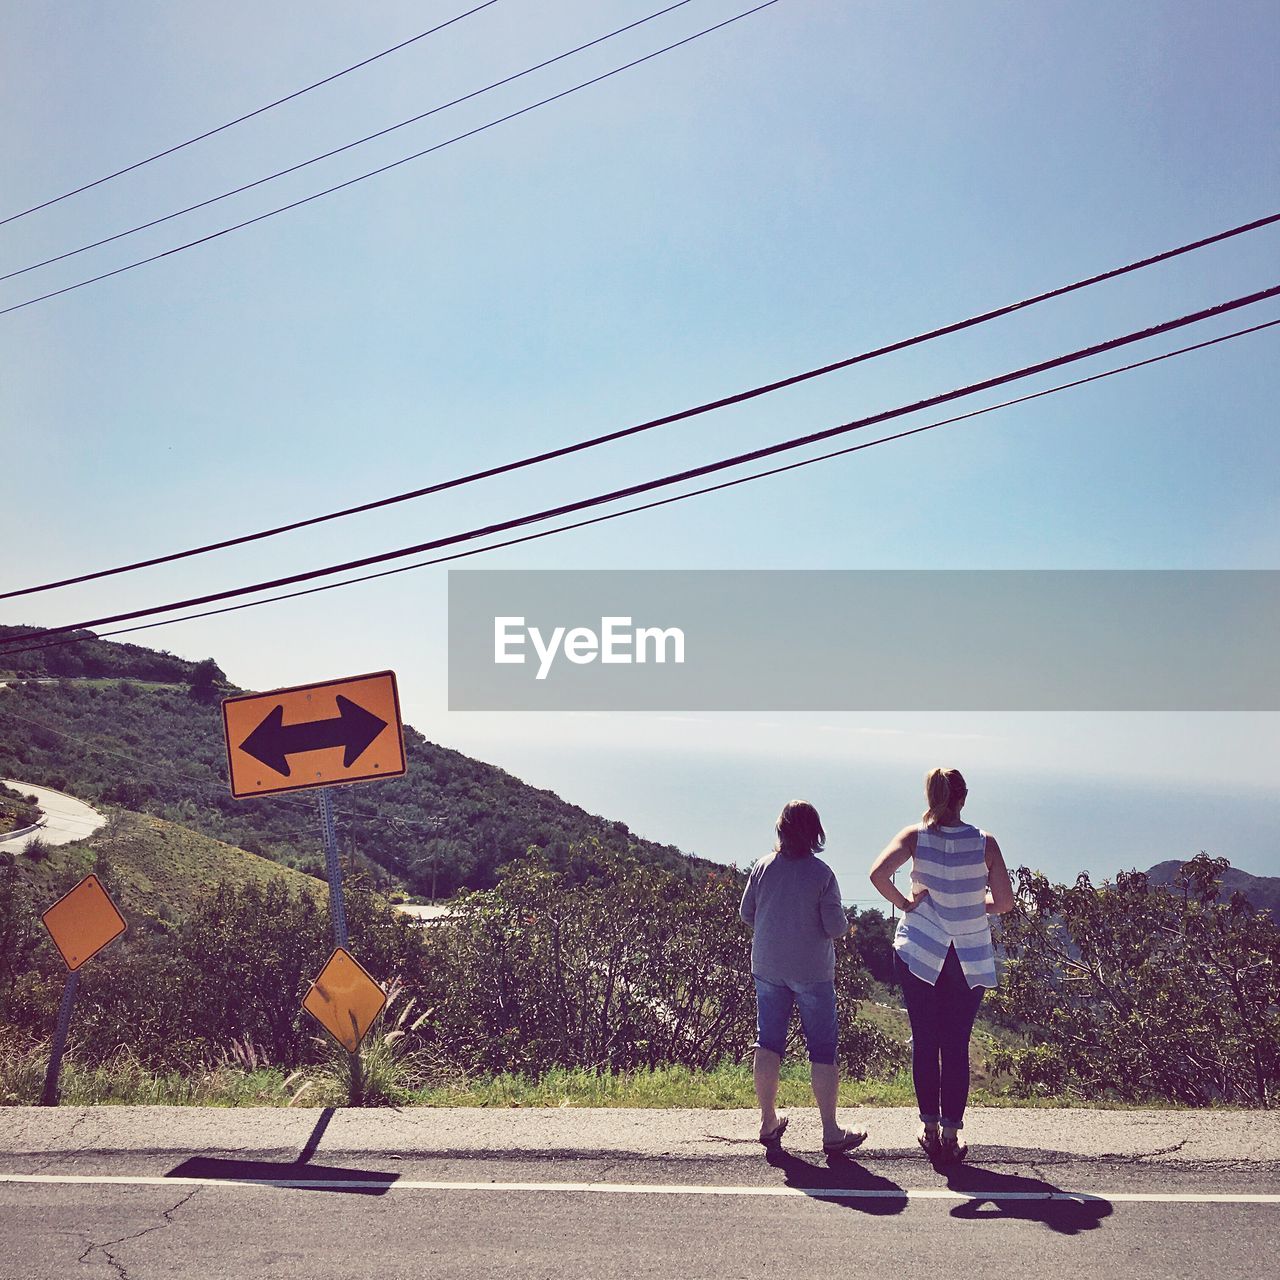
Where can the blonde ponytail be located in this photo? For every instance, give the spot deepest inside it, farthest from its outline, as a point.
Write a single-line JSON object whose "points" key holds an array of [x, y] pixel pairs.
{"points": [[942, 787]]}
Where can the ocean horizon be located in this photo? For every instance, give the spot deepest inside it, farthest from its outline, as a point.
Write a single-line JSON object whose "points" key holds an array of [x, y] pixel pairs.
{"points": [[723, 807]]}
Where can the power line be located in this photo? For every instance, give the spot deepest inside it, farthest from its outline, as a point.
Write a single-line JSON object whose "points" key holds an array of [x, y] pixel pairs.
{"points": [[724, 402], [395, 164], [679, 497], [326, 155], [649, 506], [249, 115], [688, 474]]}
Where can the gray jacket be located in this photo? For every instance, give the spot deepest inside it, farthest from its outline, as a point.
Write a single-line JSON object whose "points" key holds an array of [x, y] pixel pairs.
{"points": [[793, 907]]}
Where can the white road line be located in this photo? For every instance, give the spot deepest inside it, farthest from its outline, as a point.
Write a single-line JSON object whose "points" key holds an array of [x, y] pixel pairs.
{"points": [[654, 1189]]}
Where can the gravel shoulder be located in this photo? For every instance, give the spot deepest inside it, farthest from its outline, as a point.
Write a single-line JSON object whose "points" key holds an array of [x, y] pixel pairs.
{"points": [[1174, 1139]]}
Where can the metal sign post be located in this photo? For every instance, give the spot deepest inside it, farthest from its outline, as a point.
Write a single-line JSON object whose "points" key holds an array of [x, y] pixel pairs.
{"points": [[333, 869], [338, 914], [320, 736], [80, 924], [49, 1098]]}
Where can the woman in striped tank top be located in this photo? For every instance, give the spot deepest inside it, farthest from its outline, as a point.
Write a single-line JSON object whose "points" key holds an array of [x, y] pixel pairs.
{"points": [[943, 953]]}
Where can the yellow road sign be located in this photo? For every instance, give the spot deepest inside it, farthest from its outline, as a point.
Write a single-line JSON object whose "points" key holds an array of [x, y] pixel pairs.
{"points": [[83, 921], [344, 999], [314, 735]]}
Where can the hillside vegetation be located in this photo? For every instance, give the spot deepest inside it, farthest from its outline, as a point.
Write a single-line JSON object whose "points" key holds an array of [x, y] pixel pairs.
{"points": [[580, 952], [1261, 892], [155, 870], [89, 656], [130, 739], [17, 812]]}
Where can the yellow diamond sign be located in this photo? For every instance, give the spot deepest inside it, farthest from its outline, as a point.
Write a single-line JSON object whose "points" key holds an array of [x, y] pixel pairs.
{"points": [[83, 921], [344, 999]]}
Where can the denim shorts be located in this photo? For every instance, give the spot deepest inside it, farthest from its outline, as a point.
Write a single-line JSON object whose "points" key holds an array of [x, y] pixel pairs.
{"points": [[817, 1002]]}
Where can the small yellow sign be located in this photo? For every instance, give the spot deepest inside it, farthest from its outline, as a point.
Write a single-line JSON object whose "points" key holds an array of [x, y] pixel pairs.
{"points": [[344, 999], [314, 735], [83, 921]]}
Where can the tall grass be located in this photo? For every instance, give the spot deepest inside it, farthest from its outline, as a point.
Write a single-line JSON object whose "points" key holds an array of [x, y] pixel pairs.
{"points": [[122, 1079], [242, 1079]]}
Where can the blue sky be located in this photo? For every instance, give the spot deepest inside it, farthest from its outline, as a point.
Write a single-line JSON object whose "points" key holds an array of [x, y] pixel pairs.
{"points": [[813, 180]]}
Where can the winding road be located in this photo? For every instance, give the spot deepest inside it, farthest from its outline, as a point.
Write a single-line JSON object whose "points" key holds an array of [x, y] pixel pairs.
{"points": [[65, 818]]}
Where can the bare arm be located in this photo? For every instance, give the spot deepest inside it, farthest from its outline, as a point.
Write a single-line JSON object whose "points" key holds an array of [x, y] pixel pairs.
{"points": [[999, 887], [899, 851]]}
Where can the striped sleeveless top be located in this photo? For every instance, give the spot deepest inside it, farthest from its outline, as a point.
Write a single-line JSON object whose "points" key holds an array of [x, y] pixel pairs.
{"points": [[951, 862]]}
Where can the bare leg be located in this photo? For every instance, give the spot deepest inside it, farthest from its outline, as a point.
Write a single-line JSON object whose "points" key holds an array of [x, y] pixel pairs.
{"points": [[825, 1078], [767, 1067]]}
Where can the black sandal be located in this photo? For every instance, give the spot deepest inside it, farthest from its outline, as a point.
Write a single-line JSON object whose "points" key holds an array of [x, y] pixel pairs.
{"points": [[852, 1138], [772, 1141]]}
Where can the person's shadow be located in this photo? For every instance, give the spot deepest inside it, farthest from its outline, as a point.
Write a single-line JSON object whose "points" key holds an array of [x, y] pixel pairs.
{"points": [[841, 1181], [299, 1172], [993, 1196]]}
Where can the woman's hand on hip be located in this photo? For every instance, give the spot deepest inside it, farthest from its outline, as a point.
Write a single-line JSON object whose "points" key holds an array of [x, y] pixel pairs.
{"points": [[917, 897]]}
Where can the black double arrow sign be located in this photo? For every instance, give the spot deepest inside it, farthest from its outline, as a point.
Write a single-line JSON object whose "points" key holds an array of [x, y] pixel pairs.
{"points": [[273, 741]]}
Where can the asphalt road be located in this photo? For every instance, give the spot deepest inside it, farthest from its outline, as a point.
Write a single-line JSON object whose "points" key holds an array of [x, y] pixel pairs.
{"points": [[65, 818], [149, 1192]]}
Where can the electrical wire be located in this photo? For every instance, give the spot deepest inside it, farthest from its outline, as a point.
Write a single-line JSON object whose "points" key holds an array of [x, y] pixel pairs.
{"points": [[249, 115], [680, 416], [688, 474], [679, 497], [370, 137], [395, 164]]}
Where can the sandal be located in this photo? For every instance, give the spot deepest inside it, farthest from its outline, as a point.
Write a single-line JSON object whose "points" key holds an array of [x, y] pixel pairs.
{"points": [[773, 1140], [851, 1138], [953, 1151], [931, 1144]]}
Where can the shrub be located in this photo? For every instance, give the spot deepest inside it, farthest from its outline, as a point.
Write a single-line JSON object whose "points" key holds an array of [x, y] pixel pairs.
{"points": [[1136, 992], [37, 850], [608, 965]]}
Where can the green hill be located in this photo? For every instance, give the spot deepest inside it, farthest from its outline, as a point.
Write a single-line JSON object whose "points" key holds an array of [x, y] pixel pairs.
{"points": [[143, 731], [1263, 892], [154, 869], [93, 657]]}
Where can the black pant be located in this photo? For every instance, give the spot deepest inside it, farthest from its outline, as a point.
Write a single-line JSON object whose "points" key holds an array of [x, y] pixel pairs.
{"points": [[941, 1022]]}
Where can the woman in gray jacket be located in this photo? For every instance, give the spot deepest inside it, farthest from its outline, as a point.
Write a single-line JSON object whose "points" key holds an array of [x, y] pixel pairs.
{"points": [[792, 903]]}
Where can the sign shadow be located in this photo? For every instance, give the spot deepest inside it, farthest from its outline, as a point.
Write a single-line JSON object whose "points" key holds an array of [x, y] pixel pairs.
{"points": [[1001, 1196], [299, 1173]]}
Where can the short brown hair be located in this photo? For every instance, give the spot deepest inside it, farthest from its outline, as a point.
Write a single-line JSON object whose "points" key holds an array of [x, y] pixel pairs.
{"points": [[799, 830]]}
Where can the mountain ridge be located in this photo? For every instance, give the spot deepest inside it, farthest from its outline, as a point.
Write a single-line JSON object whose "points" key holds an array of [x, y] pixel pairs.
{"points": [[1263, 892], [142, 730]]}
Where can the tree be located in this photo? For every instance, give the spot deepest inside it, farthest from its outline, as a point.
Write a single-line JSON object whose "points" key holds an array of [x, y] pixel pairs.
{"points": [[20, 933], [873, 940], [203, 681], [1138, 992], [608, 964]]}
